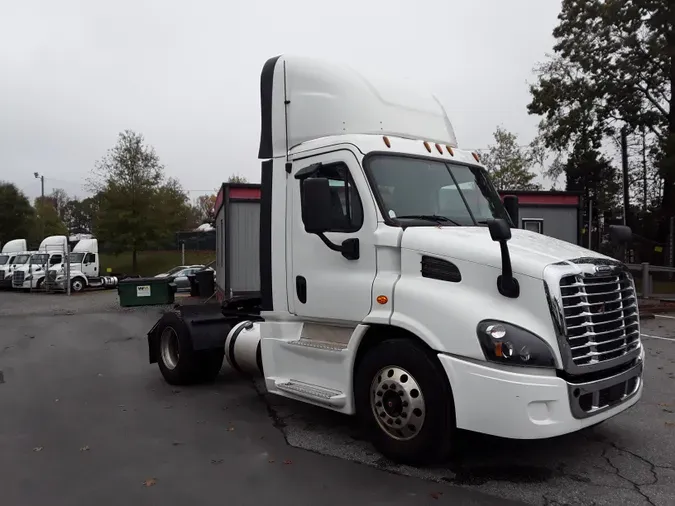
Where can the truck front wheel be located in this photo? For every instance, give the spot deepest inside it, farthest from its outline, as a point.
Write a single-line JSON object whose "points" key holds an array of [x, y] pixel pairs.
{"points": [[178, 362], [76, 285], [405, 403]]}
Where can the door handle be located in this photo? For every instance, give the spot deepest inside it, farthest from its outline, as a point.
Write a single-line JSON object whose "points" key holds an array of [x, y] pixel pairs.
{"points": [[301, 288]]}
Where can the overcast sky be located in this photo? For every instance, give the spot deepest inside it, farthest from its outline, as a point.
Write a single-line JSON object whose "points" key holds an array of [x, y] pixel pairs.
{"points": [[186, 74]]}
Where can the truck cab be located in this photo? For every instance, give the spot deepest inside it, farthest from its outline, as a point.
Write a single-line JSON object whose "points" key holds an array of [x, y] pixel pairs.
{"points": [[8, 258], [395, 286], [84, 269], [32, 274]]}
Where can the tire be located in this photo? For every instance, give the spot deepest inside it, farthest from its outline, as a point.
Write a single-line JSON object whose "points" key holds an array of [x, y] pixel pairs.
{"points": [[177, 361], [424, 431], [76, 285], [39, 284]]}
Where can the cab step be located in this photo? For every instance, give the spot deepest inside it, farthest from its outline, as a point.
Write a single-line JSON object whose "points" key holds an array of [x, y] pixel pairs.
{"points": [[319, 345], [311, 392]]}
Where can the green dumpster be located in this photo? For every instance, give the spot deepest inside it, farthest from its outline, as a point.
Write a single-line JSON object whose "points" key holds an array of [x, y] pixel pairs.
{"points": [[146, 291]]}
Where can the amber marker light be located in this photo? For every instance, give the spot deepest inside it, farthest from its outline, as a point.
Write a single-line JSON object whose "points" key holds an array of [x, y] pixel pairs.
{"points": [[382, 299]]}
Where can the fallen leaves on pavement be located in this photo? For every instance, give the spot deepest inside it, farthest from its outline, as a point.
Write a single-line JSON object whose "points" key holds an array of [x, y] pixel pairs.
{"points": [[150, 482]]}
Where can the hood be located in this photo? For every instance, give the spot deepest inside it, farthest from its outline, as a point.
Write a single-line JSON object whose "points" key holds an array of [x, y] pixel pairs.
{"points": [[530, 252]]}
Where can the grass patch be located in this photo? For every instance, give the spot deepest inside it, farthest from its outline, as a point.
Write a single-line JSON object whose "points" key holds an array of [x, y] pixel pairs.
{"points": [[153, 262]]}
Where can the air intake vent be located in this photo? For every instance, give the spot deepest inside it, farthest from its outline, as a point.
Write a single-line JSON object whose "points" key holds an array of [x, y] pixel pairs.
{"points": [[435, 268]]}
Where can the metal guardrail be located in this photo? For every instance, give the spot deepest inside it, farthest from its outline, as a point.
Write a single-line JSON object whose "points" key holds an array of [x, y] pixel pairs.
{"points": [[646, 269]]}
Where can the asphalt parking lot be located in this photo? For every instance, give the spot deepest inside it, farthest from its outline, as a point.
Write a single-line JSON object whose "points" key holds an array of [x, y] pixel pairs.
{"points": [[85, 419]]}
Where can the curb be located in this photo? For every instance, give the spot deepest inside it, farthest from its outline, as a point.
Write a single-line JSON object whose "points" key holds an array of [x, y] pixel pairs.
{"points": [[647, 316]]}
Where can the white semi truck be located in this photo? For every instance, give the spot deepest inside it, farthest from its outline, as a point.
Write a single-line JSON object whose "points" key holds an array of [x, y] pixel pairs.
{"points": [[8, 258], [85, 269], [32, 274], [394, 285]]}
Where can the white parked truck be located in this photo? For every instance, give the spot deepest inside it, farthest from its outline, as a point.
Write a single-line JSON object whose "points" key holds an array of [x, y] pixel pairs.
{"points": [[32, 274], [85, 270], [8, 259], [393, 284]]}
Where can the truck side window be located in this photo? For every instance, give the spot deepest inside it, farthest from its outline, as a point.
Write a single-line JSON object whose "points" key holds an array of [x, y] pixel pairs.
{"points": [[347, 211], [90, 258], [56, 259]]}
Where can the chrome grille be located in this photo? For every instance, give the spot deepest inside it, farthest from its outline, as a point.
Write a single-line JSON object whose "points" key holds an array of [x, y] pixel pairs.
{"points": [[600, 315], [18, 277]]}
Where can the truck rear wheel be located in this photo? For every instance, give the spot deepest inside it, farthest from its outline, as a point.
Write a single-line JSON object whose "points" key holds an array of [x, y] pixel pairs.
{"points": [[405, 403], [178, 362]]}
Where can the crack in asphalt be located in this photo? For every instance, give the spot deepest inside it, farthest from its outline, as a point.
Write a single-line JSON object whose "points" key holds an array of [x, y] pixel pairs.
{"points": [[636, 486]]}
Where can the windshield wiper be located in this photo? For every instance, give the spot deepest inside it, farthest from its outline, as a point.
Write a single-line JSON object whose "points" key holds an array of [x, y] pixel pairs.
{"points": [[429, 217]]}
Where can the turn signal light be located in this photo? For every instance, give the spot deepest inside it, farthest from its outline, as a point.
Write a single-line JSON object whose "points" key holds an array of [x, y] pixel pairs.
{"points": [[382, 299]]}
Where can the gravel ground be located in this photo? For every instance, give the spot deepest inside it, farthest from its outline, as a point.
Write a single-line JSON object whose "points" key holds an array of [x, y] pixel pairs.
{"points": [[86, 419]]}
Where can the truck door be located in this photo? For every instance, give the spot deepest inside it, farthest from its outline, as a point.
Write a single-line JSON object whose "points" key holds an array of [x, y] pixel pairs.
{"points": [[90, 266], [323, 284]]}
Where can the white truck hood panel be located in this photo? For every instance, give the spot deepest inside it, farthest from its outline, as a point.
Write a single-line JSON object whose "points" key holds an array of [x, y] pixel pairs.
{"points": [[530, 251]]}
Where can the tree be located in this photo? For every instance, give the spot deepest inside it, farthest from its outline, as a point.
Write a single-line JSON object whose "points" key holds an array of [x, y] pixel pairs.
{"points": [[205, 208], [509, 164], [237, 178], [60, 199], [173, 206], [16, 213], [47, 221], [614, 66], [137, 207], [80, 215]]}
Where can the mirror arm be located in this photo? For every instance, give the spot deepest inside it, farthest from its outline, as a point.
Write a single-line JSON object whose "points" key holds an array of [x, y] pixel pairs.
{"points": [[349, 247], [506, 284], [327, 242]]}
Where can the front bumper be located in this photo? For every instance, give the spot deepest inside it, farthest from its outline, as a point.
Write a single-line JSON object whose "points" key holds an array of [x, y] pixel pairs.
{"points": [[517, 405]]}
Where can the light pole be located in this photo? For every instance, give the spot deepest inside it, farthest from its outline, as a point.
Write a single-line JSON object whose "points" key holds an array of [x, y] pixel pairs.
{"points": [[42, 200], [42, 181]]}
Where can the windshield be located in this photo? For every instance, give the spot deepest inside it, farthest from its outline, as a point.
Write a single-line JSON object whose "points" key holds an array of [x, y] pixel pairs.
{"points": [[175, 270], [447, 193], [39, 259], [21, 259], [4, 259], [76, 258]]}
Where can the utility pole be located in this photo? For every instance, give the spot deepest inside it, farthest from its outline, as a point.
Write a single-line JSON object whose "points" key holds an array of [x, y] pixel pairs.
{"points": [[624, 167]]}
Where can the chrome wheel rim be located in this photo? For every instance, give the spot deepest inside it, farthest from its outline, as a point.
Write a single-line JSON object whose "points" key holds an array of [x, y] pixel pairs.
{"points": [[77, 286], [397, 403], [169, 348]]}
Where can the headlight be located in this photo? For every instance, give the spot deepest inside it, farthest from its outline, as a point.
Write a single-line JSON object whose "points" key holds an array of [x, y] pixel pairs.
{"points": [[505, 343]]}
